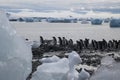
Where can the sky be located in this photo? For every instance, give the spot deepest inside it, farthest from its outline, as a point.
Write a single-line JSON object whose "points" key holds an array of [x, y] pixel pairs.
{"points": [[60, 4], [77, 6]]}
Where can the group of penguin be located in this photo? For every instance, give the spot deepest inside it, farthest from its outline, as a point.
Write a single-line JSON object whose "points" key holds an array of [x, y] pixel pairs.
{"points": [[81, 46], [64, 44]]}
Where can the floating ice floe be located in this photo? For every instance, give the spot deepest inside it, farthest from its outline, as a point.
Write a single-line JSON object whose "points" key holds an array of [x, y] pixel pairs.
{"points": [[15, 55]]}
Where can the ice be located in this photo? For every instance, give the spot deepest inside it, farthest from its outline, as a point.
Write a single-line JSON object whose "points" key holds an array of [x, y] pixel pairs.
{"points": [[36, 44], [108, 60], [52, 71], [15, 55], [83, 75], [74, 59], [115, 23], [62, 69], [54, 58], [107, 71], [33, 44], [71, 75]]}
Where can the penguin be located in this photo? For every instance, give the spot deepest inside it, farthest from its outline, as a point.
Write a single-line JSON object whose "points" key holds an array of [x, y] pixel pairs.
{"points": [[26, 39], [64, 41], [82, 44], [41, 40], [54, 41], [70, 44], [60, 41], [79, 46], [104, 44]]}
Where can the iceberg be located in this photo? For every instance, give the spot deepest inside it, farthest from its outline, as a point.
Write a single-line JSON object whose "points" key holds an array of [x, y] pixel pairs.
{"points": [[115, 23], [96, 21], [15, 55]]}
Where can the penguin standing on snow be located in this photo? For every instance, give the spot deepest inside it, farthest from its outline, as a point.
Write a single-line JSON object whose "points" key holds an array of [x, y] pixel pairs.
{"points": [[70, 44]]}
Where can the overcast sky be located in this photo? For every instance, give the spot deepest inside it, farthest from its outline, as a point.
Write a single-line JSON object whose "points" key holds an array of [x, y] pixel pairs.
{"points": [[60, 4], [57, 8]]}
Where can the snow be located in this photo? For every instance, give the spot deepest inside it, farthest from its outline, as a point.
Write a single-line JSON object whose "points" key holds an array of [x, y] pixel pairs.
{"points": [[15, 55]]}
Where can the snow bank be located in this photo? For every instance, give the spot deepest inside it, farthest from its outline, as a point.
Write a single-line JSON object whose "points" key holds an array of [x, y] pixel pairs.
{"points": [[15, 55]]}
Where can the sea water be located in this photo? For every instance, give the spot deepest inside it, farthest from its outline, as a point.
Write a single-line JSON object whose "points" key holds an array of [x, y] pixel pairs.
{"points": [[75, 31]]}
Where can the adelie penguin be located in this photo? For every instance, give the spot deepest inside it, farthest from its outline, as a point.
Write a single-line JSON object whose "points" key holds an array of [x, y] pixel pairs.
{"points": [[54, 41], [41, 40], [60, 41]]}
